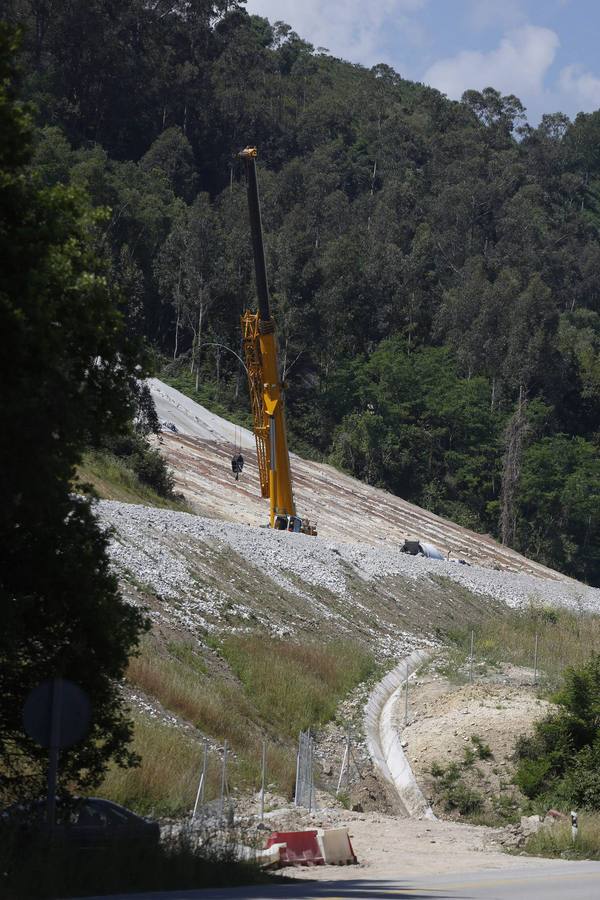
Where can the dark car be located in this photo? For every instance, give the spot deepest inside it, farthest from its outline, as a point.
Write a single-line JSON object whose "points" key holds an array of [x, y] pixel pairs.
{"points": [[81, 822]]}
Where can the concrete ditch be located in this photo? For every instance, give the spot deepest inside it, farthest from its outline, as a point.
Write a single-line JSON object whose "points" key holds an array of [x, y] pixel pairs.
{"points": [[384, 742]]}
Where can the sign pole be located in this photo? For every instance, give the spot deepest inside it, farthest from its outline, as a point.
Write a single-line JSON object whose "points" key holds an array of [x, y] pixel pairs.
{"points": [[54, 750]]}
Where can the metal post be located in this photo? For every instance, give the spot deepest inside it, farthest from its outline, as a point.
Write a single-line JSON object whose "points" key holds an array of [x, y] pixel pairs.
{"points": [[344, 761], [471, 659], [348, 746], [297, 770], [262, 785], [202, 783], [223, 779], [535, 659], [310, 774], [54, 752], [406, 698]]}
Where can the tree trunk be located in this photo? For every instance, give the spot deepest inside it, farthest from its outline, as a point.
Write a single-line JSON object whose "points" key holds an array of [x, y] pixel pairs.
{"points": [[198, 342], [515, 434]]}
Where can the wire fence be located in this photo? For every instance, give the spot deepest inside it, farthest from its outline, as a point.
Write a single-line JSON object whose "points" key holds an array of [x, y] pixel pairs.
{"points": [[214, 799]]}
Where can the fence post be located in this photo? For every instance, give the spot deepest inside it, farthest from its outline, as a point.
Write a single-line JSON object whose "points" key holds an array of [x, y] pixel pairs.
{"points": [[310, 776], [406, 697], [202, 782], [471, 657], [297, 770], [349, 748], [223, 780], [262, 785], [535, 659]]}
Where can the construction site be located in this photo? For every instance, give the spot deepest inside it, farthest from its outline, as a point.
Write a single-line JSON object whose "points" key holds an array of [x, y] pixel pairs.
{"points": [[358, 572]]}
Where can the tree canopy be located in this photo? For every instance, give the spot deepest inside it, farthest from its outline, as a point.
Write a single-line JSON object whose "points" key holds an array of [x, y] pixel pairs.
{"points": [[397, 224], [68, 371]]}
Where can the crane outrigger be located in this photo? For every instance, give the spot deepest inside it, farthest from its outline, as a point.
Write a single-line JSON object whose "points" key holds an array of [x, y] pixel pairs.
{"points": [[264, 383]]}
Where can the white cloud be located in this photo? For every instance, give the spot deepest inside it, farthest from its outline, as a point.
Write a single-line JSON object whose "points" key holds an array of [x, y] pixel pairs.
{"points": [[517, 66], [352, 29], [581, 87]]}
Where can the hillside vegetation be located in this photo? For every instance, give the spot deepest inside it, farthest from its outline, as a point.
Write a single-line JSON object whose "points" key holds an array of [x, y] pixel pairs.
{"points": [[434, 265]]}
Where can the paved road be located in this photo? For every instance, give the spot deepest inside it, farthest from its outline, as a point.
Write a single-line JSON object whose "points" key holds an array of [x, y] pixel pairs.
{"points": [[551, 880]]}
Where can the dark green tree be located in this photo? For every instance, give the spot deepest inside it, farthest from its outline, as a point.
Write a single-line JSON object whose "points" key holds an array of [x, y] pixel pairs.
{"points": [[67, 373]]}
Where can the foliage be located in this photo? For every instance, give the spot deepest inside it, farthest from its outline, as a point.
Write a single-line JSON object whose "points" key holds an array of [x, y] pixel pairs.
{"points": [[68, 373], [109, 477], [557, 840], [559, 763], [445, 252], [482, 749], [455, 794]]}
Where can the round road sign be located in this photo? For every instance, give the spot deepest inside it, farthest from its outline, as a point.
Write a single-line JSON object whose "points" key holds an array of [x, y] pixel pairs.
{"points": [[71, 718]]}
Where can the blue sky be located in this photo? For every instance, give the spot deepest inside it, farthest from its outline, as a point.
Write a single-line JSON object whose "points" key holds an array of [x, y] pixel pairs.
{"points": [[544, 51]]}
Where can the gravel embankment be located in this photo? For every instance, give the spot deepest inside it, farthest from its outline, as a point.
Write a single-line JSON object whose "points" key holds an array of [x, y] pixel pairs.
{"points": [[157, 547]]}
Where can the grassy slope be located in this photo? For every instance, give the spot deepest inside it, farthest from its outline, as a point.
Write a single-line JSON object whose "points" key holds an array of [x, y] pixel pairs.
{"points": [[111, 479], [248, 689]]}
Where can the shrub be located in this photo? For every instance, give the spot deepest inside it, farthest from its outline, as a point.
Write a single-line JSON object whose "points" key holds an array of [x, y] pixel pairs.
{"points": [[469, 757], [463, 798], [559, 762], [483, 750]]}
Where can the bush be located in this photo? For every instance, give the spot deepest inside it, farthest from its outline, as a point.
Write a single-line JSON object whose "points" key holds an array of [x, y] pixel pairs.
{"points": [[531, 776], [559, 762], [148, 463], [482, 750], [462, 798]]}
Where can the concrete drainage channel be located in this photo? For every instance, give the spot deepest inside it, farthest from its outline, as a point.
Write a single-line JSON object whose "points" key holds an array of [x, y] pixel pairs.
{"points": [[383, 740]]}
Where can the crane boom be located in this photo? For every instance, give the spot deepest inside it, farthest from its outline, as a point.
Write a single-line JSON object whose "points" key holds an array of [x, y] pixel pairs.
{"points": [[266, 389]]}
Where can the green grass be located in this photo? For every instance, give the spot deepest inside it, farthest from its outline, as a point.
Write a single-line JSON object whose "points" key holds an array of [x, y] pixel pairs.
{"points": [[219, 708], [165, 783], [565, 638], [556, 840], [295, 686], [283, 687], [111, 479]]}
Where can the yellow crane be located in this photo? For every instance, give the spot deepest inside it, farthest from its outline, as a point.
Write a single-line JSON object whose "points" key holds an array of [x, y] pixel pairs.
{"points": [[264, 382]]}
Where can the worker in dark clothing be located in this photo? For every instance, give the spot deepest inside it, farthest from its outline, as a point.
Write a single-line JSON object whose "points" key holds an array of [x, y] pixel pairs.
{"points": [[237, 464]]}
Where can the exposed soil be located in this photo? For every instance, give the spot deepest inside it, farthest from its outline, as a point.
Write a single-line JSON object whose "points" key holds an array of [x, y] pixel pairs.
{"points": [[391, 847], [443, 719]]}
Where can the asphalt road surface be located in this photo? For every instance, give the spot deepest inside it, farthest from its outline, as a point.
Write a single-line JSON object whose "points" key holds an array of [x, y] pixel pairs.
{"points": [[552, 880]]}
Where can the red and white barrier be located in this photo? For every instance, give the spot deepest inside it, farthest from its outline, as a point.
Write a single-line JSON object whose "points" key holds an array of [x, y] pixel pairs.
{"points": [[336, 847], [318, 847], [300, 848]]}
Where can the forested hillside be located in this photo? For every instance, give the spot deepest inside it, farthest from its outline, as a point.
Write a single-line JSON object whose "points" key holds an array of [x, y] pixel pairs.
{"points": [[435, 266]]}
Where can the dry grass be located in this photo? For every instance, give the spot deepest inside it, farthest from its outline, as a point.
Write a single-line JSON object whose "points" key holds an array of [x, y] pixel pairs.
{"points": [[565, 638], [219, 708], [557, 840], [166, 782], [285, 687], [111, 479], [296, 686]]}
